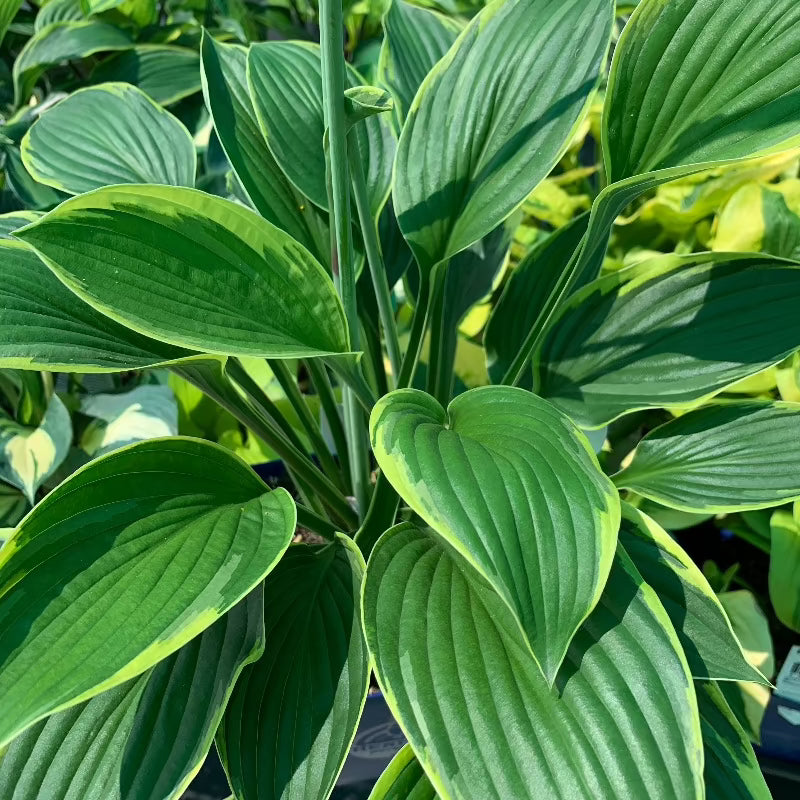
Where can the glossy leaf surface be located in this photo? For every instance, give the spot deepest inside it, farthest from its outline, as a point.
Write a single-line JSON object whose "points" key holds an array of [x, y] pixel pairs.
{"points": [[198, 271], [294, 712], [500, 131], [660, 334], [145, 548], [727, 457], [711, 647], [515, 488], [620, 722]]}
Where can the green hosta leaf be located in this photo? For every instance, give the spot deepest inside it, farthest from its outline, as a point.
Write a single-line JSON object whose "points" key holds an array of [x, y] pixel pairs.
{"points": [[285, 80], [784, 567], [758, 219], [694, 85], [145, 548], [144, 739], [404, 779], [30, 192], [727, 457], [224, 72], [514, 487], [198, 271], [731, 769], [514, 318], [146, 412], [107, 134], [703, 628], [500, 131], [8, 10], [58, 11], [294, 713], [668, 332], [414, 40], [62, 41], [697, 83], [43, 325], [15, 220], [362, 102], [29, 456], [13, 506], [165, 72], [620, 722]]}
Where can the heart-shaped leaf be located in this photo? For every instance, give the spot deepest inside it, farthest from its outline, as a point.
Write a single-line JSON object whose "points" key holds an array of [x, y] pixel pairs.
{"points": [[224, 70], [731, 769], [294, 712], [662, 333], [286, 89], [193, 270], [784, 567], [514, 487], [725, 457], [62, 41], [711, 647], [164, 72], [103, 749], [501, 130], [620, 722], [112, 133], [144, 549], [43, 325], [414, 39], [29, 456], [404, 779]]}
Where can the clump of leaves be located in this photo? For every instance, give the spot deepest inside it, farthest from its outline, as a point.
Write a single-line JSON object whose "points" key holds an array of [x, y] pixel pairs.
{"points": [[536, 632]]}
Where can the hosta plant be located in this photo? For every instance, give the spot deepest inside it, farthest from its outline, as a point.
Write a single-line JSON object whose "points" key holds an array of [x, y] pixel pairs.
{"points": [[535, 631]]}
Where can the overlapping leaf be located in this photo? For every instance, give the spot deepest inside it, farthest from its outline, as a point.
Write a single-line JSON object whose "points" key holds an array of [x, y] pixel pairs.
{"points": [[667, 332], [294, 712], [193, 270], [514, 487], [403, 779], [731, 456], [620, 722], [224, 72], [144, 549], [285, 80], [784, 567], [712, 649], [107, 134], [500, 130], [144, 739]]}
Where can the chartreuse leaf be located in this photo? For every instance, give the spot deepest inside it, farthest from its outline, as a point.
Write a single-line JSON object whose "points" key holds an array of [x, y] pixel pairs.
{"points": [[514, 487], [29, 456], [224, 73], [731, 769], [414, 40], [620, 722], [784, 566], [731, 456], [661, 333], [43, 325], [106, 134], [694, 86], [165, 72], [194, 270], [62, 41], [146, 738], [758, 219], [500, 131], [294, 712], [144, 549], [404, 779], [711, 647], [526, 295], [285, 80]]}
